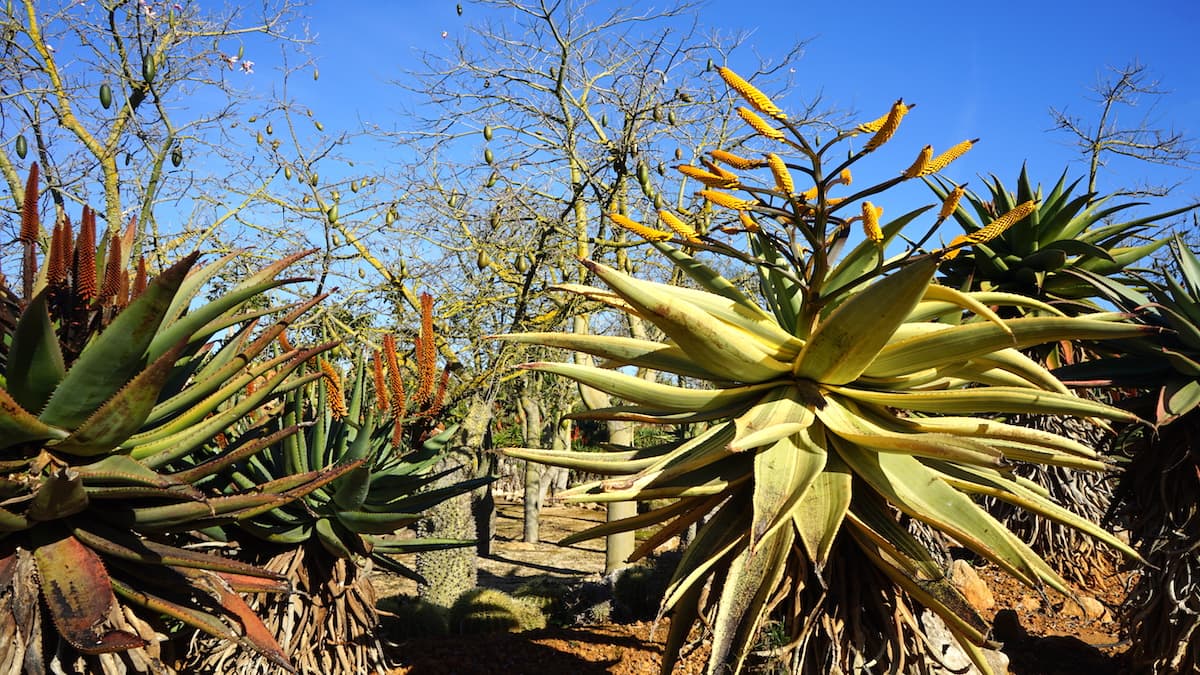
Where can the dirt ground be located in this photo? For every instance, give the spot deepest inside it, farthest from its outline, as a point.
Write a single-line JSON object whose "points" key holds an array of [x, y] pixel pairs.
{"points": [[1043, 636]]}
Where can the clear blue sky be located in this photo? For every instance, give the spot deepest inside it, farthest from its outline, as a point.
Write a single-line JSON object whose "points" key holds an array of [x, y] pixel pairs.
{"points": [[976, 70]]}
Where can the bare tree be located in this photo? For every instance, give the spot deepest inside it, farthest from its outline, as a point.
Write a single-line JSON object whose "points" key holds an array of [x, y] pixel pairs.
{"points": [[1128, 89]]}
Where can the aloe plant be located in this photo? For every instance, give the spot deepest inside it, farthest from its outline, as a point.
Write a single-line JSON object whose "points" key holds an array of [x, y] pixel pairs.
{"points": [[109, 379], [1158, 492], [328, 541], [824, 417], [1038, 256]]}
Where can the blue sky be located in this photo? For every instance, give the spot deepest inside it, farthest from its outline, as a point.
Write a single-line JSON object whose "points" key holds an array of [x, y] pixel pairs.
{"points": [[990, 71]]}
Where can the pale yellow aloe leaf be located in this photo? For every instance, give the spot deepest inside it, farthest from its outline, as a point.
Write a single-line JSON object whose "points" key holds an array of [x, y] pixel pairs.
{"points": [[747, 589], [818, 514]]}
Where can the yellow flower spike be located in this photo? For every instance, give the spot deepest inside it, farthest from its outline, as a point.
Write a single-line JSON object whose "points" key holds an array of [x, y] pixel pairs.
{"points": [[921, 165], [889, 126], [809, 194], [751, 93], [759, 124], [993, 230], [783, 177], [736, 161], [708, 179], [748, 222], [333, 389], [870, 218], [718, 170], [943, 160], [728, 200], [681, 228], [647, 233], [845, 176], [950, 204]]}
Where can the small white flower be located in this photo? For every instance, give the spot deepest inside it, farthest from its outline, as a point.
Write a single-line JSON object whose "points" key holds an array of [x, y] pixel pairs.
{"points": [[248, 67]]}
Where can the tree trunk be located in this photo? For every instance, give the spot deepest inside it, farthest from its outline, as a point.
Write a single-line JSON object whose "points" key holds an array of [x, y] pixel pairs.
{"points": [[534, 434], [619, 546]]}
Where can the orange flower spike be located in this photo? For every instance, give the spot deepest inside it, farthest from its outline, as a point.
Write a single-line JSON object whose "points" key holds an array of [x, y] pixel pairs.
{"points": [[439, 398], [751, 93], [783, 177], [426, 353], [759, 124], [920, 166], [685, 231], [888, 129], [943, 160], [736, 161], [647, 233], [381, 390], [30, 226], [395, 383], [111, 283], [140, 281], [56, 257], [85, 257], [333, 389], [870, 218]]}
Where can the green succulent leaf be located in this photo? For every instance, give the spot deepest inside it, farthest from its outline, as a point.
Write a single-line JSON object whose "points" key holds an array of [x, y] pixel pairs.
{"points": [[36, 355]]}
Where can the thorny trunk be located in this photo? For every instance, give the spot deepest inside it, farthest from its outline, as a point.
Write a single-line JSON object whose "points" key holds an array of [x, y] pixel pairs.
{"points": [[535, 433]]}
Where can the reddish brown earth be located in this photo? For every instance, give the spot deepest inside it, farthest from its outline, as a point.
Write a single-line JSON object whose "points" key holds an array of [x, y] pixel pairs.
{"points": [[1042, 636]]}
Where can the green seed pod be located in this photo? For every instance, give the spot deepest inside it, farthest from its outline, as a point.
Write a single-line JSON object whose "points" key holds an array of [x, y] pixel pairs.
{"points": [[337, 196], [270, 129], [708, 66], [482, 260], [258, 138], [314, 178], [522, 264], [176, 156], [452, 201], [353, 186], [495, 175], [362, 274], [287, 172], [487, 133], [661, 169], [488, 156], [105, 96], [389, 217], [604, 120], [22, 147], [643, 174], [657, 114], [320, 127], [678, 154], [316, 74], [331, 214], [253, 119], [671, 118], [149, 68]]}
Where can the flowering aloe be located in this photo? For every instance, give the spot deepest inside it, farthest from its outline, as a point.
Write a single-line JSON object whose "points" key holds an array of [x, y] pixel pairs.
{"points": [[326, 542], [106, 388], [827, 418]]}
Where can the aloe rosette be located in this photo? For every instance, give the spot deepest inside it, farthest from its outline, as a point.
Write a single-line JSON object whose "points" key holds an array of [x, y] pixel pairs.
{"points": [[825, 421], [106, 388]]}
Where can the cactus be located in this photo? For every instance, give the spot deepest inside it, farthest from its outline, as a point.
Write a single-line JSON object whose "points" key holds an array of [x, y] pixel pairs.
{"points": [[487, 610]]}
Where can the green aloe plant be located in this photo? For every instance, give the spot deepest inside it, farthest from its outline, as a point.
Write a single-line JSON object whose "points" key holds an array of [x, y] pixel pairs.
{"points": [[1064, 232], [109, 379], [328, 541], [1038, 256], [828, 418], [1158, 492]]}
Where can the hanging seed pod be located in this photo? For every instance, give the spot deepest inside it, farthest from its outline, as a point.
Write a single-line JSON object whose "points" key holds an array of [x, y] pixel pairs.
{"points": [[492, 178], [149, 68], [105, 96], [488, 156], [403, 271], [522, 264], [316, 74], [678, 154], [389, 217], [314, 178], [337, 196], [331, 214], [287, 172], [708, 66], [319, 126], [458, 8], [604, 120], [270, 129], [353, 186], [482, 260], [671, 118], [452, 202], [494, 219], [661, 169], [487, 133], [176, 156], [22, 147], [657, 114], [258, 138], [253, 119], [643, 175], [362, 274]]}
